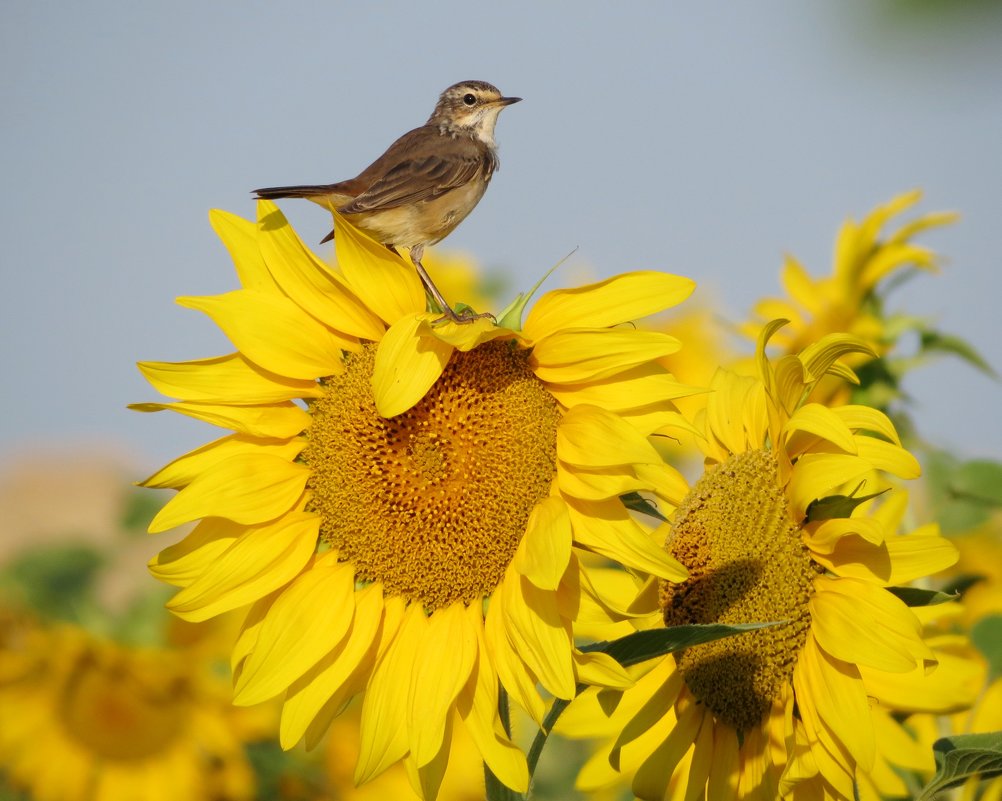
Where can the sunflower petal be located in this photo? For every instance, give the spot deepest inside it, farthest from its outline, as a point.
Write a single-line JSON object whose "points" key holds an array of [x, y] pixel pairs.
{"points": [[182, 563], [477, 705], [813, 418], [440, 670], [259, 561], [224, 379], [250, 488], [273, 421], [309, 618], [274, 333], [545, 549], [381, 279], [302, 276], [185, 469], [573, 357], [407, 365], [891, 640], [514, 674], [895, 561], [539, 634], [594, 438], [327, 682], [384, 733], [613, 301], [240, 238]]}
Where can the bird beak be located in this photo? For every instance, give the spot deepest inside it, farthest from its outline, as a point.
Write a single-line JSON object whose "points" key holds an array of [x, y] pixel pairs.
{"points": [[507, 101]]}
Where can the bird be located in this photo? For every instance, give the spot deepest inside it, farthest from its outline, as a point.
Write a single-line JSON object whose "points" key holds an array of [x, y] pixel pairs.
{"points": [[426, 182]]}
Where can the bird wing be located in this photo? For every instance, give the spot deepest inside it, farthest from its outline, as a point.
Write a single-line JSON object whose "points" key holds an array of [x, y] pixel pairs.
{"points": [[411, 171]]}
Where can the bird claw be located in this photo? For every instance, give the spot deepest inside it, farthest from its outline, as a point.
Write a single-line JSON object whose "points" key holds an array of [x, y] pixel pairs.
{"points": [[464, 317]]}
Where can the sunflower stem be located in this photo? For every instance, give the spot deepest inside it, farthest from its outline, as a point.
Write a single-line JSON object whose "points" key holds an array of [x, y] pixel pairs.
{"points": [[536, 749]]}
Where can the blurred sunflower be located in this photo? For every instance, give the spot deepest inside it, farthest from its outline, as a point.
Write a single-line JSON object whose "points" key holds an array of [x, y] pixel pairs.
{"points": [[435, 467], [774, 530], [87, 720], [867, 261]]}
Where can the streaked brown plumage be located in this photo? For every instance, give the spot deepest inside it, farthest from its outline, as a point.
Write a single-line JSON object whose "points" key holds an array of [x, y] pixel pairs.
{"points": [[426, 182]]}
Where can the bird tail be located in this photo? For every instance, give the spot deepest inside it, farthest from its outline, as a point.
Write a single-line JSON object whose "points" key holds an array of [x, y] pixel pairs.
{"points": [[303, 190]]}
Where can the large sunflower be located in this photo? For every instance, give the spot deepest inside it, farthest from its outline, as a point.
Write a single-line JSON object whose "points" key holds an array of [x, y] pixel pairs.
{"points": [[389, 473], [85, 719], [774, 530]]}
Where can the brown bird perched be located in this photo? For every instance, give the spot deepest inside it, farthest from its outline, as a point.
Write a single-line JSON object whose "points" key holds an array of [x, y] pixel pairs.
{"points": [[425, 183]]}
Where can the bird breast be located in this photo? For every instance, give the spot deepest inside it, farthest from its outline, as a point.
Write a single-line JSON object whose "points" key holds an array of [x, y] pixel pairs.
{"points": [[425, 222]]}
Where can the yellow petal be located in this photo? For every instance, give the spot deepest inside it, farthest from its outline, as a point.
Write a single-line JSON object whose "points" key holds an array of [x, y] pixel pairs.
{"points": [[328, 685], [464, 336], [818, 475], [818, 357], [183, 470], [438, 673], [478, 705], [381, 279], [394, 609], [645, 385], [863, 418], [889, 457], [250, 488], [594, 438], [601, 670], [839, 698], [545, 549], [273, 421], [540, 636], [407, 365], [613, 301], [606, 528], [955, 684], [182, 563], [895, 561], [826, 537], [384, 735], [260, 561], [274, 333], [889, 636], [514, 674], [240, 237], [574, 357], [308, 620], [224, 379], [813, 418], [651, 780], [302, 276]]}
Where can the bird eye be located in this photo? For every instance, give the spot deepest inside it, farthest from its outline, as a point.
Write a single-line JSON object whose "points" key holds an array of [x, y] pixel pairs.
{"points": [[470, 99]]}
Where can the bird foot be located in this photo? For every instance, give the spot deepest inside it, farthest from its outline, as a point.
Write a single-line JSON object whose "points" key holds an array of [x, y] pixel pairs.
{"points": [[463, 317]]}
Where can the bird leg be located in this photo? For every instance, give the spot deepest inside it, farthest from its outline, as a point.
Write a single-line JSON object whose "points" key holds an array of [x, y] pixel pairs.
{"points": [[465, 316]]}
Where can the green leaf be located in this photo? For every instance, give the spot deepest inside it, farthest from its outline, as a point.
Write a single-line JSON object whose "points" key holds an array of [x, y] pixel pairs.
{"points": [[979, 479], [986, 635], [636, 502], [937, 342], [643, 645], [963, 757], [959, 516], [915, 596], [838, 506]]}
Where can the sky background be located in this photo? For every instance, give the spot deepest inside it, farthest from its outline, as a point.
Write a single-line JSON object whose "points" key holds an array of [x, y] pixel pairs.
{"points": [[702, 138]]}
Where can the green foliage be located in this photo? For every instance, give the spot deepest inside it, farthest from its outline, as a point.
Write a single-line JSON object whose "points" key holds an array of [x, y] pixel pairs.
{"points": [[838, 506], [916, 596], [963, 495], [56, 582], [636, 502], [643, 645], [987, 637], [964, 757]]}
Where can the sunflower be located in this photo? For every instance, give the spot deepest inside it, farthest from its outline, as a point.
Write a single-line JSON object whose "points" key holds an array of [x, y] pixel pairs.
{"points": [[402, 501], [779, 529], [85, 719]]}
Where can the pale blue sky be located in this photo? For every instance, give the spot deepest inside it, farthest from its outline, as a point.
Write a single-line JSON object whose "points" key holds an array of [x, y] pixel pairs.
{"points": [[705, 138]]}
